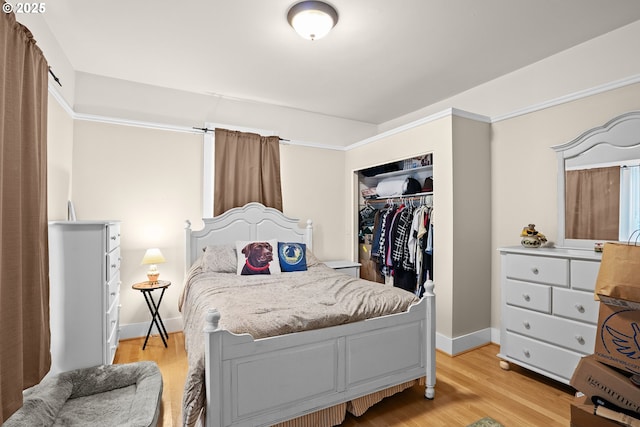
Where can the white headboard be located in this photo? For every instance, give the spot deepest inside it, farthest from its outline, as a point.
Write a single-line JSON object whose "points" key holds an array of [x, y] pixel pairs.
{"points": [[253, 221]]}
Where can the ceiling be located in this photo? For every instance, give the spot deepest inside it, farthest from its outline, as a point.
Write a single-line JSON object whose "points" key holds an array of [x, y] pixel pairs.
{"points": [[384, 58]]}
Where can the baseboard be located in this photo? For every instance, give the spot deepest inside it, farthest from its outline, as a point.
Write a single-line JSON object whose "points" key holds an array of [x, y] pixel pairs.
{"points": [[457, 345], [495, 335], [136, 330]]}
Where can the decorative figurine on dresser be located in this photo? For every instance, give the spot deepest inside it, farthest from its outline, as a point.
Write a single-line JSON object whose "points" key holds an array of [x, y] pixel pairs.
{"points": [[531, 238], [84, 276]]}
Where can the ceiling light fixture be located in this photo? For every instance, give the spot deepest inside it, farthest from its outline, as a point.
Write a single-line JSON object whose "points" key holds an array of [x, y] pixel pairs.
{"points": [[312, 19]]}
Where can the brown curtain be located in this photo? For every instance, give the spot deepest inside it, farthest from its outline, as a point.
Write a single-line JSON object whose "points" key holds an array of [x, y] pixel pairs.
{"points": [[592, 203], [24, 256], [247, 169]]}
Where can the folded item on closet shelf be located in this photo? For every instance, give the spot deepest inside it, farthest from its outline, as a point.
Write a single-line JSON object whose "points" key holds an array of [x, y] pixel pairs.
{"points": [[398, 186], [390, 187], [368, 193]]}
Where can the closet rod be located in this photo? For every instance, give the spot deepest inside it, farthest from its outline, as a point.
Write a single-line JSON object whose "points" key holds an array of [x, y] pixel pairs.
{"points": [[205, 130], [408, 197]]}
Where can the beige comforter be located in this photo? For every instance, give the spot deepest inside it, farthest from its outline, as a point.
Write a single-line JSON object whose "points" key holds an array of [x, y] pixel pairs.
{"points": [[266, 306]]}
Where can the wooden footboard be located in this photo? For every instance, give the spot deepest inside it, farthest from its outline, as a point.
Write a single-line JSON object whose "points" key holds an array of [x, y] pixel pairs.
{"points": [[262, 382]]}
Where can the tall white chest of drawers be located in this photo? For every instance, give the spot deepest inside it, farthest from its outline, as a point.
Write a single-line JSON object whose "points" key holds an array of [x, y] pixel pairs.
{"points": [[84, 273], [549, 314]]}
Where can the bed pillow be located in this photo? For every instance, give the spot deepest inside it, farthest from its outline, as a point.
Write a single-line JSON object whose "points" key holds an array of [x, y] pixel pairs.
{"points": [[220, 259], [293, 256], [312, 260], [257, 257]]}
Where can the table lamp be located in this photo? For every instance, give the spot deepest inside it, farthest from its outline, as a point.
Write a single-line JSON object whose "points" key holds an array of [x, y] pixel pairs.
{"points": [[152, 257]]}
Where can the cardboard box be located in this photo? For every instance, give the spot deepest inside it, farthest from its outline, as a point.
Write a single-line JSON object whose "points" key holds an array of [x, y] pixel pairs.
{"points": [[618, 337], [594, 378], [582, 415]]}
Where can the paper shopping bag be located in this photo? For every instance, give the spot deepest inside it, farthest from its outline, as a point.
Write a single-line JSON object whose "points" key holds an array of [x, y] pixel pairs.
{"points": [[619, 274]]}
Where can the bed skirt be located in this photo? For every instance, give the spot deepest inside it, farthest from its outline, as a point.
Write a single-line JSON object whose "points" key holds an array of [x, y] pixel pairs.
{"points": [[335, 415]]}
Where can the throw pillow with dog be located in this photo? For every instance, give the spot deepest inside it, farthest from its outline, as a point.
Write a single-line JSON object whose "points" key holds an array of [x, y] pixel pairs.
{"points": [[257, 257]]}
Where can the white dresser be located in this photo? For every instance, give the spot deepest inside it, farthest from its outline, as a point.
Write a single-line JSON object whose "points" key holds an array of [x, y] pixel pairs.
{"points": [[84, 272], [549, 314]]}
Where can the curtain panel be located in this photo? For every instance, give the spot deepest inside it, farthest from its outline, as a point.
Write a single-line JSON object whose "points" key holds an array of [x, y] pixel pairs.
{"points": [[592, 203], [247, 169], [24, 257]]}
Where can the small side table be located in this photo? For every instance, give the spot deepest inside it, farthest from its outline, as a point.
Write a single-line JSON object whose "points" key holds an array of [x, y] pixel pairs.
{"points": [[347, 267], [146, 288]]}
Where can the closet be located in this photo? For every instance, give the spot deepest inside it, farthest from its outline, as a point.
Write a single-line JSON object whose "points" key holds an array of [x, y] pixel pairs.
{"points": [[459, 144], [395, 234]]}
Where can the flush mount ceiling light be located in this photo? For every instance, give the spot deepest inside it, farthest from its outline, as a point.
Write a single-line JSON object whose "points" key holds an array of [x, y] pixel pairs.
{"points": [[312, 19]]}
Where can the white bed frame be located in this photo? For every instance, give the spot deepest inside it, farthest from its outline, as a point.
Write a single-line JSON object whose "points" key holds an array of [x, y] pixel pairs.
{"points": [[265, 381]]}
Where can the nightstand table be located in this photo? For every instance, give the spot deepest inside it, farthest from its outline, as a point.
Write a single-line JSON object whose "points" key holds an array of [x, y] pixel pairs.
{"points": [[348, 267], [147, 288]]}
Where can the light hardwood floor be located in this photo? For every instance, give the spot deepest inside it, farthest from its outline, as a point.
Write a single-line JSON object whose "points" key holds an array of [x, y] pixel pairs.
{"points": [[469, 386]]}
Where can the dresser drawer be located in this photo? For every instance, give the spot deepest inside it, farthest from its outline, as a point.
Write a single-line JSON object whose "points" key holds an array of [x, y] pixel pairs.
{"points": [[113, 263], [575, 305], [528, 295], [113, 290], [550, 358], [111, 344], [112, 318], [554, 271], [113, 236], [584, 274], [577, 336]]}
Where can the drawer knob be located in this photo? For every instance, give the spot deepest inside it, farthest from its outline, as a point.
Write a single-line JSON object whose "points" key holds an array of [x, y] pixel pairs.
{"points": [[526, 353], [113, 237], [114, 265], [535, 270], [580, 339], [526, 297], [526, 324], [113, 294], [580, 308]]}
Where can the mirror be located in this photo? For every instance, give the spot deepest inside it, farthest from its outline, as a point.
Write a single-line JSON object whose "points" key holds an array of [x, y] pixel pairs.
{"points": [[599, 184]]}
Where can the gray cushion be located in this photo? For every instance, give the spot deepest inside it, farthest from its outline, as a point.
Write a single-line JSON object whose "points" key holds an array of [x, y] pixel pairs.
{"points": [[102, 396]]}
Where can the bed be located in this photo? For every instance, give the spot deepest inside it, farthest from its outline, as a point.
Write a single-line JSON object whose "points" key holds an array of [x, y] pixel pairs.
{"points": [[307, 372]]}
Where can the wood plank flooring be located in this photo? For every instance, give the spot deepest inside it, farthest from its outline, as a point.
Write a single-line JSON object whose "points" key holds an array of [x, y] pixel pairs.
{"points": [[469, 386]]}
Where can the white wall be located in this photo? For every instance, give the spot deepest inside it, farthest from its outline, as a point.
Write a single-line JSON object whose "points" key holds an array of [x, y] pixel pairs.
{"points": [[313, 188], [151, 181], [59, 160]]}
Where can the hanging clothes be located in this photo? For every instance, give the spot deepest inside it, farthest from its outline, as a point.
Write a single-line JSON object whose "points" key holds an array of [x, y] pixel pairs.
{"points": [[402, 245]]}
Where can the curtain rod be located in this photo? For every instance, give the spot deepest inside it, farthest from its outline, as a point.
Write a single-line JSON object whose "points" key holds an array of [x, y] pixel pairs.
{"points": [[205, 130], [55, 77]]}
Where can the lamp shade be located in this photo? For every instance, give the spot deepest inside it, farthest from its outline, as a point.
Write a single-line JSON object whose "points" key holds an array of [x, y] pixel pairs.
{"points": [[153, 256], [312, 19]]}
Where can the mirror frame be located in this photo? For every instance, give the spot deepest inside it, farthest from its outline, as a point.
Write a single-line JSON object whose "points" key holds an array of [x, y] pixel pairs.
{"points": [[615, 141]]}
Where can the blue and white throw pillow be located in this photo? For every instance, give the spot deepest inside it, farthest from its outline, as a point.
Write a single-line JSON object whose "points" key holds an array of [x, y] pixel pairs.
{"points": [[293, 256]]}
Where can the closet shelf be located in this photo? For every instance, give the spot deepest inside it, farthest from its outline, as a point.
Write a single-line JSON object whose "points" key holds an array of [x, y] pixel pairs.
{"points": [[403, 172], [408, 197]]}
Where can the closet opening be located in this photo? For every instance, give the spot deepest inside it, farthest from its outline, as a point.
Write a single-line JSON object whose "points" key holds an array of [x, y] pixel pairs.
{"points": [[395, 232]]}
